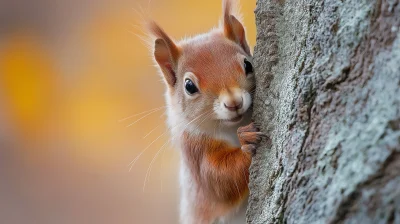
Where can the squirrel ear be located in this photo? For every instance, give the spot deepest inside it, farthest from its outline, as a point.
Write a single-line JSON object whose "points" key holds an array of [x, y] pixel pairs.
{"points": [[166, 53], [233, 28]]}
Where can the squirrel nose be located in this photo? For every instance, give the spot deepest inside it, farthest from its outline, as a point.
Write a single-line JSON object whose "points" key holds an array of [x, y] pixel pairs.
{"points": [[234, 106]]}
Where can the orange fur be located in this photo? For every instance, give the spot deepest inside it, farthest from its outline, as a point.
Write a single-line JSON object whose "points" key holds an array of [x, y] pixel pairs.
{"points": [[216, 159], [221, 173], [212, 161], [201, 58]]}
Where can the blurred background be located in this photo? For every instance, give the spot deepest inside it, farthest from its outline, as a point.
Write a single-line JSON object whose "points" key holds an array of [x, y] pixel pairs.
{"points": [[70, 72]]}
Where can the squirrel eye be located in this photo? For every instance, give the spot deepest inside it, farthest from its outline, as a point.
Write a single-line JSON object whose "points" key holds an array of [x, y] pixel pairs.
{"points": [[190, 87], [248, 67]]}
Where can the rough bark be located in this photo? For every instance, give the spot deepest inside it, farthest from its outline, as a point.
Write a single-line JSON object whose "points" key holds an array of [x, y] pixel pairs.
{"points": [[328, 95]]}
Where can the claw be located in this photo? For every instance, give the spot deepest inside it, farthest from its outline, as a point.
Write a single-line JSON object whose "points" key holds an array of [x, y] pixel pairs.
{"points": [[258, 125], [250, 135], [249, 148], [261, 134]]}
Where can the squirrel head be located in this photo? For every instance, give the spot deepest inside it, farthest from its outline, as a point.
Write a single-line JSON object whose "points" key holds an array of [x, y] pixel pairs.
{"points": [[209, 77]]}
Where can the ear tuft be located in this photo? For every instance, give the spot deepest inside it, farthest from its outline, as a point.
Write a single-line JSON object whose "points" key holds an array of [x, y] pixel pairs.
{"points": [[232, 26], [166, 52]]}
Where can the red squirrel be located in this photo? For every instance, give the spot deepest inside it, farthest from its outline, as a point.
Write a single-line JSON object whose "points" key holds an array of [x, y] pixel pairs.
{"points": [[210, 81]]}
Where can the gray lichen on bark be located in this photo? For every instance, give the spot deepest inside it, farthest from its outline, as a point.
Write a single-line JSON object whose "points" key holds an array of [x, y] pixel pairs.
{"points": [[328, 96]]}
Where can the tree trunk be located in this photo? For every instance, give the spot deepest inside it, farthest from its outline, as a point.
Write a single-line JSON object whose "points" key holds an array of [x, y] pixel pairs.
{"points": [[328, 96]]}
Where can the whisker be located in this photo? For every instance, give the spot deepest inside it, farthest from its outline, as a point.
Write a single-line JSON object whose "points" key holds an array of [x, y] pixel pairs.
{"points": [[162, 156], [206, 116], [148, 6], [148, 111], [145, 40], [152, 112], [174, 154], [132, 163], [151, 164], [139, 13], [140, 28], [215, 128], [161, 169], [196, 118], [165, 113], [158, 152], [151, 131]]}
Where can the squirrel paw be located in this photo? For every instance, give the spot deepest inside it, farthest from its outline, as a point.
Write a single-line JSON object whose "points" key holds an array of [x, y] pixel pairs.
{"points": [[249, 137]]}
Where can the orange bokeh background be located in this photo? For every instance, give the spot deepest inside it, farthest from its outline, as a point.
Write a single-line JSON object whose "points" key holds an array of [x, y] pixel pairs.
{"points": [[70, 71]]}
